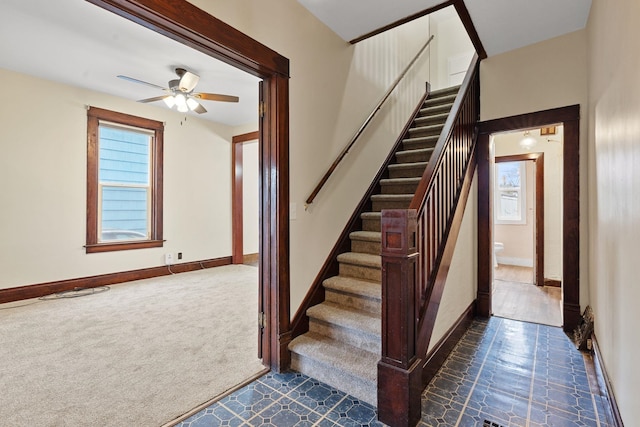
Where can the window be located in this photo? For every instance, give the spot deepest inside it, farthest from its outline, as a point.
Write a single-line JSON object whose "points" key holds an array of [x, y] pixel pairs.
{"points": [[124, 181], [510, 193]]}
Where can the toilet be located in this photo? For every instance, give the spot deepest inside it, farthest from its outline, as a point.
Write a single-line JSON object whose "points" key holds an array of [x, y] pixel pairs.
{"points": [[497, 248]]}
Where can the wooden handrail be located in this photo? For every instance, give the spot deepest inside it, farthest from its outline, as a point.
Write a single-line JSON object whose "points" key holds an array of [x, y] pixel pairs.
{"points": [[364, 125]]}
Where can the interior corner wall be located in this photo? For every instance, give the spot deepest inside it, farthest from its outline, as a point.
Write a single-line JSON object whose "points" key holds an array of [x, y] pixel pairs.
{"points": [[545, 75], [461, 285], [614, 219], [44, 168], [334, 86]]}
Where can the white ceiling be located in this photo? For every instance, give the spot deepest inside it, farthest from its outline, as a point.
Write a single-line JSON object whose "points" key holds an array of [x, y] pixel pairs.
{"points": [[77, 43], [502, 25]]}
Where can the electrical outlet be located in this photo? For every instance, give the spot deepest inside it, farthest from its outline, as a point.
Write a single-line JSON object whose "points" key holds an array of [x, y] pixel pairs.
{"points": [[179, 255], [168, 259]]}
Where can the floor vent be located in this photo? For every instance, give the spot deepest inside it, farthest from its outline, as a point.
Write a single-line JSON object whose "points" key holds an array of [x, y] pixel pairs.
{"points": [[488, 423]]}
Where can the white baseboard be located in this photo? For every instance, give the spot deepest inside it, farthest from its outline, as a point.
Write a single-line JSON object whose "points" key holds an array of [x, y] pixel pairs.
{"points": [[520, 262]]}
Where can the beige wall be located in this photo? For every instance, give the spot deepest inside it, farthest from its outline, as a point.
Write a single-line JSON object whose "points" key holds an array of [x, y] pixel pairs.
{"points": [[333, 88], [614, 172], [549, 74], [43, 215]]}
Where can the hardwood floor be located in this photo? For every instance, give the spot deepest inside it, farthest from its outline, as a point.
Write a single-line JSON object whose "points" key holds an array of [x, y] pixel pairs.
{"points": [[516, 297]]}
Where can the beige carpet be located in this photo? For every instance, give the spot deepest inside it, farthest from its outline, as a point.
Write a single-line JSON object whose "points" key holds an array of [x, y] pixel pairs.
{"points": [[141, 354]]}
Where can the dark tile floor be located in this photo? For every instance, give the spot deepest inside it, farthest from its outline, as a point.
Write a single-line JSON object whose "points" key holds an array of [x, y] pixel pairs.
{"points": [[502, 373]]}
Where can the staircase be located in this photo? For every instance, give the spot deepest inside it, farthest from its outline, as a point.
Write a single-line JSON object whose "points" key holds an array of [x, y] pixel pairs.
{"points": [[342, 347]]}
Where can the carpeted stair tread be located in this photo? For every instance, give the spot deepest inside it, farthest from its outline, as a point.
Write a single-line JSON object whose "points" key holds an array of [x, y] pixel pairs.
{"points": [[440, 100], [400, 154], [408, 165], [358, 320], [445, 91], [367, 236], [432, 118], [337, 355], [435, 129], [360, 259], [435, 109], [351, 285], [392, 197], [431, 139], [395, 181]]}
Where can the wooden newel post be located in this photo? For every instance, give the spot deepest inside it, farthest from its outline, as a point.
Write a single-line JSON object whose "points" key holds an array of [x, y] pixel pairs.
{"points": [[400, 369]]}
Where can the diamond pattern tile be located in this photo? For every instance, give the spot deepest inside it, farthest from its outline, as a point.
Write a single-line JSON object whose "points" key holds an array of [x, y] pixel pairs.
{"points": [[502, 372]]}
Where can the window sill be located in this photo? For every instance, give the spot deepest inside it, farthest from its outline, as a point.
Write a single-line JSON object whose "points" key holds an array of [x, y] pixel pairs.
{"points": [[123, 246]]}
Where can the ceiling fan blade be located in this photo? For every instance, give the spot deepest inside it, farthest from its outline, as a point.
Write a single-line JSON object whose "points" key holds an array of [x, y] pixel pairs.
{"points": [[188, 81], [216, 97], [131, 79], [155, 98], [200, 109]]}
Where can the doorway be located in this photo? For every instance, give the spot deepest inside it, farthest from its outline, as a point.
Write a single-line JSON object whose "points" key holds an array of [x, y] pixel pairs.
{"points": [[569, 118], [187, 24], [518, 187]]}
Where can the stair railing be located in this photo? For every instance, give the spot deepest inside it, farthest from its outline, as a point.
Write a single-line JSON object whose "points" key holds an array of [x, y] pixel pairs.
{"points": [[364, 125], [417, 247]]}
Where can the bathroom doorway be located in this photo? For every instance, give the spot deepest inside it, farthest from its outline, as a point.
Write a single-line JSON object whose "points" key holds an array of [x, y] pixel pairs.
{"points": [[518, 221]]}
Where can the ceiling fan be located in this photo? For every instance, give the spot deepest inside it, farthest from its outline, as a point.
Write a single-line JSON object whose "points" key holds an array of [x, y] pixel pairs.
{"points": [[180, 92]]}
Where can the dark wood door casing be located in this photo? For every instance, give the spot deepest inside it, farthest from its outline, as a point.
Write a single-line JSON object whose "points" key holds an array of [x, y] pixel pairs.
{"points": [[569, 117], [538, 159], [185, 23]]}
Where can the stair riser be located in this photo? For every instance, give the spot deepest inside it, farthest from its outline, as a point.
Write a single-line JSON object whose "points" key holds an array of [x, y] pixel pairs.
{"points": [[430, 120], [371, 224], [412, 157], [360, 272], [352, 384], [429, 142], [440, 100], [409, 172], [377, 206], [437, 109], [358, 302], [399, 188], [425, 131], [366, 247], [356, 338]]}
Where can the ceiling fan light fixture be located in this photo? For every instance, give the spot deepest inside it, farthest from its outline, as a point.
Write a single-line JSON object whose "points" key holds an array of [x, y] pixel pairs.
{"points": [[181, 103], [170, 101], [192, 104]]}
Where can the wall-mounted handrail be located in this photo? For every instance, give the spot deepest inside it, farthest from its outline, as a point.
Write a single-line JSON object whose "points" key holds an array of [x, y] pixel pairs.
{"points": [[364, 125]]}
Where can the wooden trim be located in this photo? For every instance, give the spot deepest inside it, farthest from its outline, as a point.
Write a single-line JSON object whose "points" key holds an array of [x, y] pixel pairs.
{"points": [[185, 23], [94, 116], [237, 202], [250, 258], [403, 21], [604, 383], [538, 159], [315, 295], [42, 289], [553, 283], [463, 13], [445, 345], [570, 117]]}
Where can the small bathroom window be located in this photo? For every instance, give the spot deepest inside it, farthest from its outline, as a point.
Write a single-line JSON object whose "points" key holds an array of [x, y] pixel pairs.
{"points": [[510, 193]]}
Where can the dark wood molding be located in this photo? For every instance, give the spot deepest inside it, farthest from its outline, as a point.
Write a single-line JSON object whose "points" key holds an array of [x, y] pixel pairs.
{"points": [[553, 283], [237, 205], [237, 202], [570, 117], [42, 289], [315, 295], [538, 159], [94, 117], [445, 345], [185, 23], [403, 21], [604, 383], [463, 13]]}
